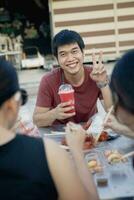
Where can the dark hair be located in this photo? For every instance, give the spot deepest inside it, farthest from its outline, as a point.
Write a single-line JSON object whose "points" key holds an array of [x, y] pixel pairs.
{"points": [[122, 81], [9, 84], [67, 37]]}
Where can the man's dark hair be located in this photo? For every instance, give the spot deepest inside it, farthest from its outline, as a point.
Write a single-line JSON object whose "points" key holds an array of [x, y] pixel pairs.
{"points": [[122, 81], [65, 37]]}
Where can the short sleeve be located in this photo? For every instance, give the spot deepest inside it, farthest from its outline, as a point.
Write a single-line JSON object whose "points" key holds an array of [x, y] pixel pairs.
{"points": [[44, 97]]}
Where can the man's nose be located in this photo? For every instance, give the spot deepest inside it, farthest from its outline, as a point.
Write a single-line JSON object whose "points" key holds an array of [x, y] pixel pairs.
{"points": [[70, 57]]}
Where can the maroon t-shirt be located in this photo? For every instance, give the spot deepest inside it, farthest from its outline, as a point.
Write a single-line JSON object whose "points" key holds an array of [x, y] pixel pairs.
{"points": [[85, 95]]}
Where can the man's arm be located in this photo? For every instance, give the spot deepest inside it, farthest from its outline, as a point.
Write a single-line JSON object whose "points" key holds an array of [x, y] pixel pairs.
{"points": [[99, 75], [107, 97], [44, 116]]}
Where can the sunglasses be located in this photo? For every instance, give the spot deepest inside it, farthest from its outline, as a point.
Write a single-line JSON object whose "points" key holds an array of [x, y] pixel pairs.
{"points": [[21, 96], [24, 96]]}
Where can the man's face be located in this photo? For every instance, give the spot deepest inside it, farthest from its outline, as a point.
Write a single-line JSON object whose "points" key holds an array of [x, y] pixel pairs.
{"points": [[70, 58]]}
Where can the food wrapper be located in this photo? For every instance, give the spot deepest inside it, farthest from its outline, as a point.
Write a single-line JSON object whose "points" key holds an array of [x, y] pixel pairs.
{"points": [[96, 125]]}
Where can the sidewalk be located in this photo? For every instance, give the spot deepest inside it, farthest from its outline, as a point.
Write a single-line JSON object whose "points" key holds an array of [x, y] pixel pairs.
{"points": [[30, 79]]}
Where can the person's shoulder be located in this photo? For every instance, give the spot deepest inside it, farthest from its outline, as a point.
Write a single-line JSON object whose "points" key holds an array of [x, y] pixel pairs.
{"points": [[30, 146], [28, 139]]}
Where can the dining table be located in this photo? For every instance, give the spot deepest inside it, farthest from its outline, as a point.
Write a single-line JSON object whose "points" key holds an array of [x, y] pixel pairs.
{"points": [[119, 177]]}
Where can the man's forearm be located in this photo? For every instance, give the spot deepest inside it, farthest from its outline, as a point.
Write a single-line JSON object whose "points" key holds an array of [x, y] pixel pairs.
{"points": [[107, 97], [44, 119]]}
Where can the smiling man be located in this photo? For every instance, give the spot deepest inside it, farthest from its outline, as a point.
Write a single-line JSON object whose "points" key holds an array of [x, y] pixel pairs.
{"points": [[89, 84]]}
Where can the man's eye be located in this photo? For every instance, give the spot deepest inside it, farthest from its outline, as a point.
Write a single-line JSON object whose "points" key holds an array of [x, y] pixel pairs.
{"points": [[62, 55], [75, 51]]}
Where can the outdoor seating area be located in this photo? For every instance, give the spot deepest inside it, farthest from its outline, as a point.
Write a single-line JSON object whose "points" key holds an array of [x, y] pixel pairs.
{"points": [[67, 100]]}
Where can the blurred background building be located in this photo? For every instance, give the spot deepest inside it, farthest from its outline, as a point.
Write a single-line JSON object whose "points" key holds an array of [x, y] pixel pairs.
{"points": [[106, 25]]}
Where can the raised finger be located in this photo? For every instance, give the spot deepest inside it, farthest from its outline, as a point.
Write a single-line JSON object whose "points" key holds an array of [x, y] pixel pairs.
{"points": [[94, 59], [100, 57]]}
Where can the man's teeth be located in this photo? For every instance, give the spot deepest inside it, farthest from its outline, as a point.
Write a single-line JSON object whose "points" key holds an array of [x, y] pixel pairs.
{"points": [[72, 65]]}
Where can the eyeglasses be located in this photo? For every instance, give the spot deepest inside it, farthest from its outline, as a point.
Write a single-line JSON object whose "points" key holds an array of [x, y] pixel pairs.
{"points": [[21, 96]]}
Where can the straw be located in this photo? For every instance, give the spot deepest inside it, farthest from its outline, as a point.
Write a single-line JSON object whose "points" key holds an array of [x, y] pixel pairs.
{"points": [[105, 120], [127, 155]]}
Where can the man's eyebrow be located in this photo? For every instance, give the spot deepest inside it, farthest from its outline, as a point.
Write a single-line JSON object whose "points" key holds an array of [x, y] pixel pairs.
{"points": [[63, 51], [75, 48]]}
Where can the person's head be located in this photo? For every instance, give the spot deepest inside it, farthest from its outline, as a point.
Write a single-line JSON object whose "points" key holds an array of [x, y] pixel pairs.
{"points": [[68, 47], [122, 86], [11, 96], [66, 37]]}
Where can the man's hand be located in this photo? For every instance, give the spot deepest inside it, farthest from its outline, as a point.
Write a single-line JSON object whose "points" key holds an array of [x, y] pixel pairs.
{"points": [[99, 73], [63, 111]]}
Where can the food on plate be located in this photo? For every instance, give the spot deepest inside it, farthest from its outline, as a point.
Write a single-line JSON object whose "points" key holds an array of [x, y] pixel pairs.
{"points": [[92, 163], [94, 166], [103, 137], [113, 156], [89, 142]]}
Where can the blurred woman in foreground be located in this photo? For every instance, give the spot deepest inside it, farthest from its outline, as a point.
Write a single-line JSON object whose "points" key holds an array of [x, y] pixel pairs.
{"points": [[122, 86], [31, 168]]}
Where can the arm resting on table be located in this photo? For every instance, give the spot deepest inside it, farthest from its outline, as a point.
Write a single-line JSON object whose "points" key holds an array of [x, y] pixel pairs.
{"points": [[43, 116]]}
